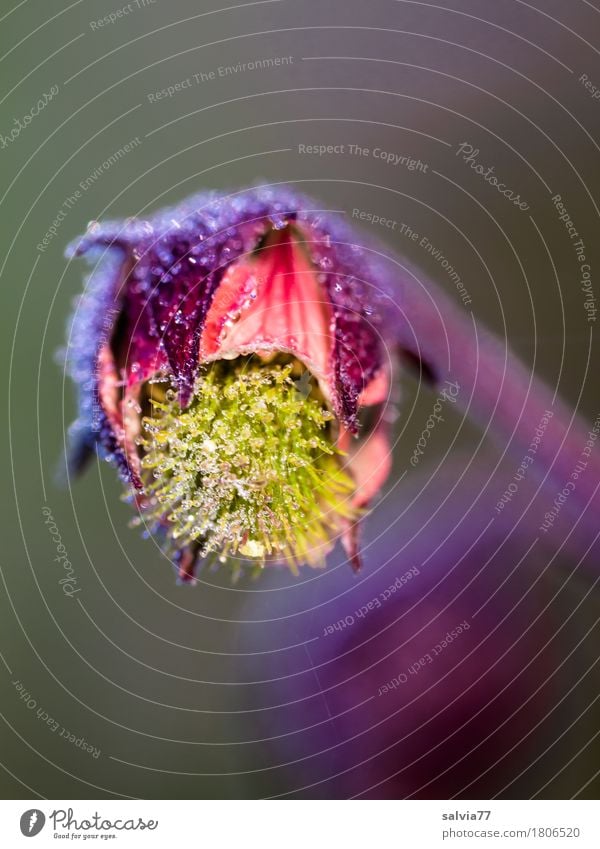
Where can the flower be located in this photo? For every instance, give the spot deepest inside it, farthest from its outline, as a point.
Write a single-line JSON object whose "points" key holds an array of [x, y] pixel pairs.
{"points": [[196, 325], [231, 360]]}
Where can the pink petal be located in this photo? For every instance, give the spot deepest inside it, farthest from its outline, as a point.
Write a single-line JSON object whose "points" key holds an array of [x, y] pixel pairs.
{"points": [[122, 415], [369, 463]]}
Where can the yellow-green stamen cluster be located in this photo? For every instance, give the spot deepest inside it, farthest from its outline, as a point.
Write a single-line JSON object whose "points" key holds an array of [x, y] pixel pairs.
{"points": [[248, 468]]}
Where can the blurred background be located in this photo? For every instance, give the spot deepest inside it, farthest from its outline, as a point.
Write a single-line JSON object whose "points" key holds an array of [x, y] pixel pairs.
{"points": [[136, 687]]}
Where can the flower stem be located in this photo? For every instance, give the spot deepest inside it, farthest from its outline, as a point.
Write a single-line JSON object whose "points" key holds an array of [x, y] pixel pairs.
{"points": [[506, 399]]}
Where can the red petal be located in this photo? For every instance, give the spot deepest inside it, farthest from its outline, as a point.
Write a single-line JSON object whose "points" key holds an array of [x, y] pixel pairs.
{"points": [[272, 301]]}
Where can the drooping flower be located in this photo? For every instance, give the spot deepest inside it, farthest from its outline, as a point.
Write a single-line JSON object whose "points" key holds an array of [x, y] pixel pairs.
{"points": [[224, 352], [233, 358]]}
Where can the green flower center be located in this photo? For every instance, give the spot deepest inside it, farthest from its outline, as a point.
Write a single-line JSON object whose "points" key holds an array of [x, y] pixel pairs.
{"points": [[249, 468]]}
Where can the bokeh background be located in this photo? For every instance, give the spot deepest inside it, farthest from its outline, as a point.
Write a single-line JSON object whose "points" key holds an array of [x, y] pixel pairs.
{"points": [[137, 687]]}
